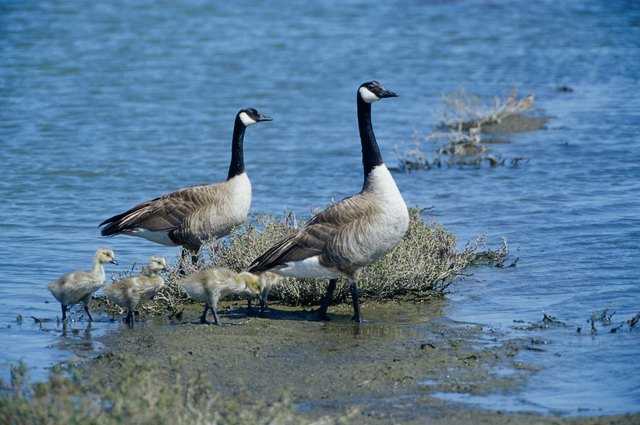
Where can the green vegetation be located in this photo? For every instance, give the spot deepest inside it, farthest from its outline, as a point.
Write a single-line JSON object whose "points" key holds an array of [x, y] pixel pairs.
{"points": [[459, 141], [426, 260], [141, 394]]}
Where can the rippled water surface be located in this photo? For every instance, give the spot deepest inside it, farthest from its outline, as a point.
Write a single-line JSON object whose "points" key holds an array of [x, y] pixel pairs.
{"points": [[106, 104]]}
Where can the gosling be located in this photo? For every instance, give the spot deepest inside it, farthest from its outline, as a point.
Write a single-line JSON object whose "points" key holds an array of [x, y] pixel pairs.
{"points": [[267, 281], [209, 285], [74, 287], [132, 291]]}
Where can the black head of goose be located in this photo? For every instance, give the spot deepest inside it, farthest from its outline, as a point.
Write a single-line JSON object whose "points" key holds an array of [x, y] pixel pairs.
{"points": [[194, 214], [352, 233]]}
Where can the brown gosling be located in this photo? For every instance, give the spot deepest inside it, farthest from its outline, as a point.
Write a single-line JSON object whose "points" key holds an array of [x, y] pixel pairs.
{"points": [[267, 281], [209, 285], [132, 291], [78, 286]]}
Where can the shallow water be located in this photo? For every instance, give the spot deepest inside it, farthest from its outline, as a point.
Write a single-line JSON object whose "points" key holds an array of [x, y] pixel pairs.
{"points": [[105, 105]]}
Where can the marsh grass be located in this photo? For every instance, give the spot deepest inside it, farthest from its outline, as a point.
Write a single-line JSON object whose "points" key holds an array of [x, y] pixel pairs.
{"points": [[459, 142], [426, 260], [141, 394]]}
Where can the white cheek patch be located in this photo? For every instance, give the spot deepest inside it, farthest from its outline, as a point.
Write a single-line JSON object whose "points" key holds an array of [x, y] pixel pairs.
{"points": [[367, 95], [246, 119]]}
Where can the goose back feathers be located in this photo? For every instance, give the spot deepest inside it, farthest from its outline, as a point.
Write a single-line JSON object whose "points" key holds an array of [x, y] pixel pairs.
{"points": [[194, 214]]}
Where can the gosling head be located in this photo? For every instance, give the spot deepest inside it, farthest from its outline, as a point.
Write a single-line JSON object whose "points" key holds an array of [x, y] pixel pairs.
{"points": [[252, 281], [250, 116], [157, 265], [267, 281], [372, 91], [105, 255]]}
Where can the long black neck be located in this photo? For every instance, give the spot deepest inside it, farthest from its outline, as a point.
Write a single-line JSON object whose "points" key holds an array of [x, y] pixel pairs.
{"points": [[371, 157], [236, 167]]}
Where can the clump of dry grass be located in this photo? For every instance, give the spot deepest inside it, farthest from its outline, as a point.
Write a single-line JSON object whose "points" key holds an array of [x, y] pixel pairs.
{"points": [[427, 259], [141, 394], [464, 119]]}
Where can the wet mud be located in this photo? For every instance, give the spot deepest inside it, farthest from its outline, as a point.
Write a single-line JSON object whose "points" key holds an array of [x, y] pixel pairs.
{"points": [[387, 370]]}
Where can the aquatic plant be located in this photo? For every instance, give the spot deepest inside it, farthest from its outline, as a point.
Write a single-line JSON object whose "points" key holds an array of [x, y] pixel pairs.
{"points": [[458, 140], [426, 260], [143, 393]]}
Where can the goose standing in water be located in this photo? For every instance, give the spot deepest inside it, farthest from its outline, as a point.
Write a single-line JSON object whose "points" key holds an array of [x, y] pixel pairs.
{"points": [[352, 233], [209, 285], [194, 214], [132, 291], [74, 287]]}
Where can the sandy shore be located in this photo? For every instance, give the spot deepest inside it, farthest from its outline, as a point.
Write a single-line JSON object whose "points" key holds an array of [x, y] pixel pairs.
{"points": [[388, 370]]}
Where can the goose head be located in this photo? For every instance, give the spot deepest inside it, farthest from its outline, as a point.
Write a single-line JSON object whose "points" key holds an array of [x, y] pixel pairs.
{"points": [[157, 264], [105, 255], [372, 91], [251, 280], [250, 116]]}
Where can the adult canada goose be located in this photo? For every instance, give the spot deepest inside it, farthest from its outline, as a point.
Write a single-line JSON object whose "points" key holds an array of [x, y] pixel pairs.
{"points": [[132, 291], [352, 233], [74, 287], [209, 285], [194, 214]]}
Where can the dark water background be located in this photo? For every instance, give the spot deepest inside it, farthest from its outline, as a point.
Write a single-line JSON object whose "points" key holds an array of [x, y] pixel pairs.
{"points": [[106, 104]]}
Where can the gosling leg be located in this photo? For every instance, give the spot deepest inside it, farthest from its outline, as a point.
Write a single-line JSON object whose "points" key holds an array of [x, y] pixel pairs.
{"points": [[86, 309], [203, 318]]}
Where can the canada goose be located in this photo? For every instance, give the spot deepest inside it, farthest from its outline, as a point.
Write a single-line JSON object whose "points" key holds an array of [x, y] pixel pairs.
{"points": [[209, 285], [194, 214], [267, 281], [132, 291], [352, 233], [74, 287]]}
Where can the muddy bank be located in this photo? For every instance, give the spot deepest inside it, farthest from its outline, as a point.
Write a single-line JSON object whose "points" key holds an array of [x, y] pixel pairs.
{"points": [[388, 370]]}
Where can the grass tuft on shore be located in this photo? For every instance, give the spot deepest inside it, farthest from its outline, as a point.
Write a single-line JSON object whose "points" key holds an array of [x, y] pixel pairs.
{"points": [[141, 394], [426, 260]]}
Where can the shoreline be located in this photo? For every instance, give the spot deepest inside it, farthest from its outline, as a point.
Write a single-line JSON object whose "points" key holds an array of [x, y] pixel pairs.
{"points": [[388, 370]]}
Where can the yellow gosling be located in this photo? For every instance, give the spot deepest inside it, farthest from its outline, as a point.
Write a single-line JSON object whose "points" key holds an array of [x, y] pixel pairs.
{"points": [[267, 281], [132, 291], [209, 285], [74, 287]]}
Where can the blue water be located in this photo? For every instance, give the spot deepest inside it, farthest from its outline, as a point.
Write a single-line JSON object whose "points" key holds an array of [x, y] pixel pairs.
{"points": [[106, 104]]}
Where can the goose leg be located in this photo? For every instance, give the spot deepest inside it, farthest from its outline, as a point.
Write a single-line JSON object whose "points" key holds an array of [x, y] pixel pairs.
{"points": [[353, 287], [86, 309], [322, 312], [129, 318], [203, 318], [64, 312], [216, 320]]}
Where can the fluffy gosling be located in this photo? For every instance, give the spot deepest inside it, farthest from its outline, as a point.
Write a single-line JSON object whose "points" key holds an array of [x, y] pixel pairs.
{"points": [[74, 287], [209, 285], [132, 291], [267, 281]]}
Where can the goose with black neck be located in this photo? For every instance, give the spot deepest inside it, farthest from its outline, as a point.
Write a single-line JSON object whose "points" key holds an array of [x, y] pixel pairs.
{"points": [[190, 216], [343, 239]]}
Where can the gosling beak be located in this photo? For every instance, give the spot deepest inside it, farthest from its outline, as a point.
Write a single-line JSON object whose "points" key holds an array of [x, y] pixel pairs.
{"points": [[114, 262]]}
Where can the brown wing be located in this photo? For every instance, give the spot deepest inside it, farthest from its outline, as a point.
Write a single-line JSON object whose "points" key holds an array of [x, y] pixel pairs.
{"points": [[164, 213], [314, 238]]}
